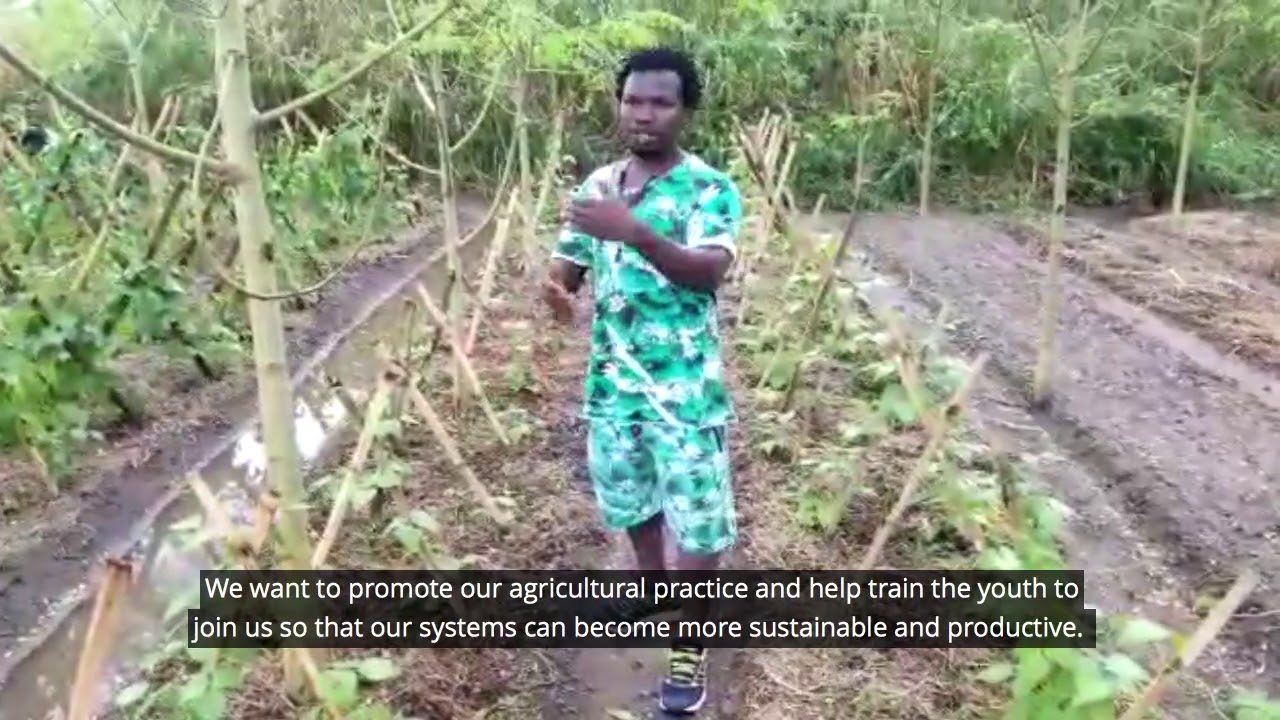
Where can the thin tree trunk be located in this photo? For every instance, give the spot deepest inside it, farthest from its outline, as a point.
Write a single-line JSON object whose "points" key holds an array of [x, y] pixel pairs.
{"points": [[253, 224], [1051, 301], [926, 152], [1189, 117]]}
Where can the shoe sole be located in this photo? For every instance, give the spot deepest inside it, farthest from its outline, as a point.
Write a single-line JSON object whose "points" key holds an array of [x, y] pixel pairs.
{"points": [[692, 709]]}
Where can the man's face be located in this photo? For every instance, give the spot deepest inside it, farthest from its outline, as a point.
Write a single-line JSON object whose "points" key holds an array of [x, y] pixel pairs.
{"points": [[650, 114]]}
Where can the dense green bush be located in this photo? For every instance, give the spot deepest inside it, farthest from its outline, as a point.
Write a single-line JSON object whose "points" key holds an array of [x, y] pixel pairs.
{"points": [[994, 118]]}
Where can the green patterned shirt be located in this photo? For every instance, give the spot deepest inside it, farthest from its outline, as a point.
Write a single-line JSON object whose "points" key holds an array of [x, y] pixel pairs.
{"points": [[655, 345]]}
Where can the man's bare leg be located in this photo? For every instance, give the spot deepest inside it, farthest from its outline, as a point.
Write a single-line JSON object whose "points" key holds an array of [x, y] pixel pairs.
{"points": [[648, 542]]}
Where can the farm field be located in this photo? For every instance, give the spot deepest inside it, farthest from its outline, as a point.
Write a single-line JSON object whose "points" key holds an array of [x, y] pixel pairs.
{"points": [[289, 315]]}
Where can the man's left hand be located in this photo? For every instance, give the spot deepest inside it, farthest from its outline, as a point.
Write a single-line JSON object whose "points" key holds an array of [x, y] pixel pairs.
{"points": [[604, 218]]}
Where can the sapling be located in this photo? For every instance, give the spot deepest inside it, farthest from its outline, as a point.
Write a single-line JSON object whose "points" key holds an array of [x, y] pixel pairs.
{"points": [[830, 273], [497, 246], [550, 170], [942, 424], [1210, 14], [239, 122], [524, 184], [1189, 109], [253, 224], [239, 127], [930, 122], [819, 302], [436, 102], [1073, 56], [432, 418], [927, 117]]}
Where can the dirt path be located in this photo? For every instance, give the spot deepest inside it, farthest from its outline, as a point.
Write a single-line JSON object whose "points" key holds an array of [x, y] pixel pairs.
{"points": [[622, 684], [1165, 448], [616, 684]]}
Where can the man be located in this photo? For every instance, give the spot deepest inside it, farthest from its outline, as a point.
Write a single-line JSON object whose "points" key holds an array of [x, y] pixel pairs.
{"points": [[657, 233]]}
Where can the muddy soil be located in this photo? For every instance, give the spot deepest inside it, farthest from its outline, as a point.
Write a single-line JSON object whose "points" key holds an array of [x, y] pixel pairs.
{"points": [[1214, 273], [47, 551], [1164, 446]]}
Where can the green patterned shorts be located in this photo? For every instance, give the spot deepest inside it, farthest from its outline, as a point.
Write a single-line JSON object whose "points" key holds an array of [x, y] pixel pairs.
{"points": [[641, 469]]}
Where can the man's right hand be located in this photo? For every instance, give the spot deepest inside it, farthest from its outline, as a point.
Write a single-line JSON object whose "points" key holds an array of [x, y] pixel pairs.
{"points": [[561, 302]]}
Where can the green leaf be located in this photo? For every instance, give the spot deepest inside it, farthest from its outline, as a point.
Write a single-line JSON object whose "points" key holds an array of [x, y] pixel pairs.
{"points": [[212, 705], [340, 687], [386, 427], [387, 476], [1140, 631], [362, 496], [226, 675], [1033, 668], [1000, 557], [377, 669], [194, 689], [204, 656], [896, 405], [179, 603], [1126, 671], [424, 520], [131, 694], [409, 537], [1091, 686], [996, 673], [1253, 705]]}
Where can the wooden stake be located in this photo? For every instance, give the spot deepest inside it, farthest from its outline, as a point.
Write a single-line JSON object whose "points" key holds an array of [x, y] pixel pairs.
{"points": [[451, 451], [391, 377], [496, 248], [1204, 634], [460, 357], [99, 638]]}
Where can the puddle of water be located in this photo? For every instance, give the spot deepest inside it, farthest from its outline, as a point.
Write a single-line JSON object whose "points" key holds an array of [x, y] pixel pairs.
{"points": [[168, 571]]}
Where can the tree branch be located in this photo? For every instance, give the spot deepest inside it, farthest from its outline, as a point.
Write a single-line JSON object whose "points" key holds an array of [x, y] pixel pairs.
{"points": [[1106, 30], [311, 97], [102, 120]]}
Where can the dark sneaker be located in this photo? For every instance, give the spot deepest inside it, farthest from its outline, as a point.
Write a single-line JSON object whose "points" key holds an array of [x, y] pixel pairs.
{"points": [[685, 687]]}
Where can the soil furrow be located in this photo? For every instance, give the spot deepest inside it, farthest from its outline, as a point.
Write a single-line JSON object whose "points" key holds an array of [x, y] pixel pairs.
{"points": [[1169, 443]]}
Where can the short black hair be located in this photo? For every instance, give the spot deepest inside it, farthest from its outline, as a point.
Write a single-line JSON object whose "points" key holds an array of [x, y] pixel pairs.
{"points": [[664, 58], [34, 139]]}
